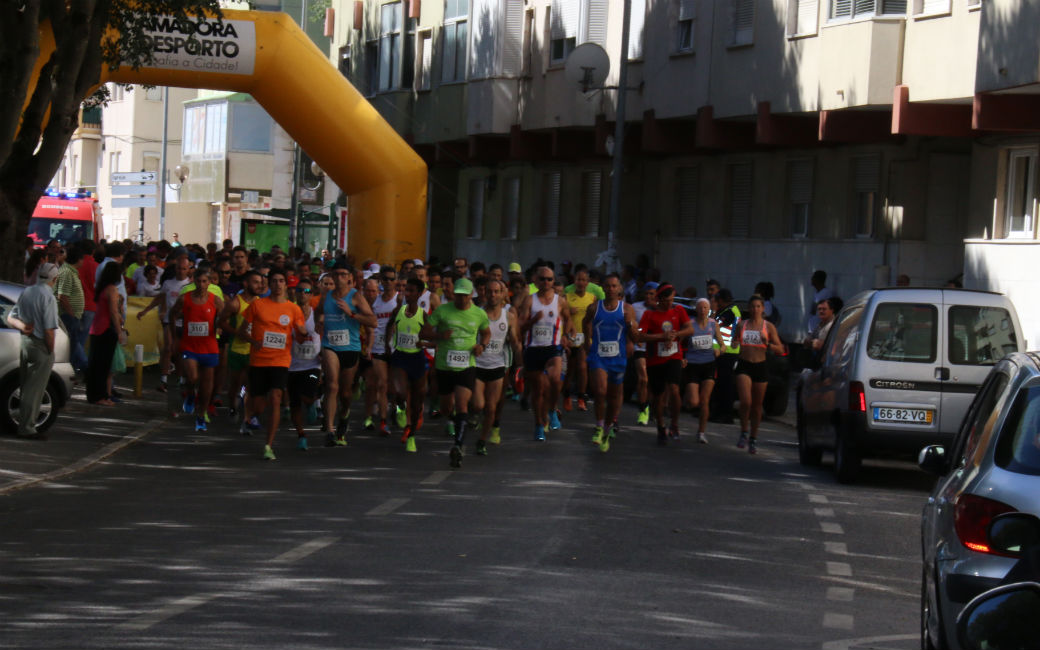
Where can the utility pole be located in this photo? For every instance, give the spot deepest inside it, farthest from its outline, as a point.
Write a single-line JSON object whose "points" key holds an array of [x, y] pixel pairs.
{"points": [[610, 257]]}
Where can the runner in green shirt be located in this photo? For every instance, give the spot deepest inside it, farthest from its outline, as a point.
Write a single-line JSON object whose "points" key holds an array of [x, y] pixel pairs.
{"points": [[456, 327]]}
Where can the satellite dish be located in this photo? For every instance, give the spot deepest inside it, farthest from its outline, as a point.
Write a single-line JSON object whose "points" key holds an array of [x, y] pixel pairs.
{"points": [[587, 66]]}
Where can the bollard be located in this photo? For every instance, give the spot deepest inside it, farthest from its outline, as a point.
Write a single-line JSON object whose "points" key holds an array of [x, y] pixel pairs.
{"points": [[138, 369]]}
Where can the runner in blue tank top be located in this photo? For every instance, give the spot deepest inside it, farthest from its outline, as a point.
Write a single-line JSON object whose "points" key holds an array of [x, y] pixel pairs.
{"points": [[610, 328]]}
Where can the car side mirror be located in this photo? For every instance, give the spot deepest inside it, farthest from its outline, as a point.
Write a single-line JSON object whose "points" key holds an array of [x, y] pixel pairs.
{"points": [[1013, 532], [933, 459], [1003, 618]]}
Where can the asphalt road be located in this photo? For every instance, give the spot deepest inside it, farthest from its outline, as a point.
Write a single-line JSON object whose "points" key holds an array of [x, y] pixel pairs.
{"points": [[189, 539]]}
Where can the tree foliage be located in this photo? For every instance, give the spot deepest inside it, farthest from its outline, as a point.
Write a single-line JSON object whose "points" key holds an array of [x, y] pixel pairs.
{"points": [[40, 112]]}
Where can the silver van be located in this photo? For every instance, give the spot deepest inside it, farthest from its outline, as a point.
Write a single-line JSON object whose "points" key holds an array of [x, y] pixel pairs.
{"points": [[898, 371]]}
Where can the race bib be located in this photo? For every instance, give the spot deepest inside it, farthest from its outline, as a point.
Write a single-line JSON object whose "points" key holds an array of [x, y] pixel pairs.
{"points": [[274, 340], [198, 329], [379, 343], [338, 338], [667, 349], [607, 349], [702, 342], [493, 347], [458, 359], [752, 337], [578, 340], [407, 341], [541, 335], [307, 351]]}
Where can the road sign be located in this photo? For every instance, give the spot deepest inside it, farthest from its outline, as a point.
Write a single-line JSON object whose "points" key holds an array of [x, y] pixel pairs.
{"points": [[148, 190], [134, 177], [134, 202]]}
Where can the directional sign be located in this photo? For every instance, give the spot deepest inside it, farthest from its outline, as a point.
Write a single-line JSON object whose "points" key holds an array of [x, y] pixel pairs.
{"points": [[134, 177], [132, 190], [134, 202]]}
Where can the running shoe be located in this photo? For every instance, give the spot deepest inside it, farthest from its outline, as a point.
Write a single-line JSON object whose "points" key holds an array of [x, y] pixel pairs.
{"points": [[702, 438], [644, 416], [188, 405], [554, 419], [402, 418], [406, 435], [268, 453], [451, 429], [742, 440], [673, 433], [254, 423], [162, 388], [312, 413], [539, 433], [330, 440], [383, 429], [245, 429], [582, 406], [456, 457], [341, 428], [341, 441], [597, 435], [567, 404], [481, 448], [369, 425], [662, 437], [205, 416], [496, 436], [752, 446], [410, 445], [301, 443], [604, 445], [200, 424], [613, 430]]}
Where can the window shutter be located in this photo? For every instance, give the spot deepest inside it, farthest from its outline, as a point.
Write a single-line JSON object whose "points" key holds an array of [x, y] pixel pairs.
{"points": [[863, 7], [799, 179], [475, 225], [898, 7], [934, 6], [866, 172], [743, 22], [596, 22], [807, 15], [841, 8], [687, 181], [740, 200], [635, 29], [687, 9], [551, 204], [564, 19], [591, 202], [485, 32], [512, 38], [512, 209], [427, 62]]}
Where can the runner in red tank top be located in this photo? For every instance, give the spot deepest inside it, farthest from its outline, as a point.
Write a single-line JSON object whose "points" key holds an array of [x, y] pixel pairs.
{"points": [[201, 353]]}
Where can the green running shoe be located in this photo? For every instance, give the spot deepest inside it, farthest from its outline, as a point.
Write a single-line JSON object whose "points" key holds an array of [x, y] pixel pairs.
{"points": [[644, 417], [604, 445], [451, 429], [597, 435], [369, 425], [496, 436], [410, 445], [341, 441], [481, 448], [268, 453], [402, 418]]}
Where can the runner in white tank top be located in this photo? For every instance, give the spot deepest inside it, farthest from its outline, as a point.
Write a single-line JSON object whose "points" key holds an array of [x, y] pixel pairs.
{"points": [[493, 362]]}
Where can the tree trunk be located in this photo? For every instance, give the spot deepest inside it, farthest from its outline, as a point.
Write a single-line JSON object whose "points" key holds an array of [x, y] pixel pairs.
{"points": [[17, 202]]}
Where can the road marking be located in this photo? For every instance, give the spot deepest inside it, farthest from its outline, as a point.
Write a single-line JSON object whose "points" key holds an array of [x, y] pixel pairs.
{"points": [[305, 549], [435, 479], [177, 607], [837, 548], [832, 528], [843, 569], [824, 512], [868, 642], [818, 498], [386, 507], [837, 621], [840, 594]]}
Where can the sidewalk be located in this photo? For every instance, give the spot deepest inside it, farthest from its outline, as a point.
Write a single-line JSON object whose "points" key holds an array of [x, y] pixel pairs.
{"points": [[83, 434]]}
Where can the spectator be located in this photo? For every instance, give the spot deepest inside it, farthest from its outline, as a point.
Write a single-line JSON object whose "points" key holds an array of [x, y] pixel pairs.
{"points": [[105, 333], [35, 315], [822, 292], [69, 293]]}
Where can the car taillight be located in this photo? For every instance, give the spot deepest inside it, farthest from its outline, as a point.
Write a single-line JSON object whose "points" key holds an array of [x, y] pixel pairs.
{"points": [[971, 520], [857, 398]]}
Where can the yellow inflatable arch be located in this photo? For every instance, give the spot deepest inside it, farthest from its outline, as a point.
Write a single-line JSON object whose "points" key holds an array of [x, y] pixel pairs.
{"points": [[268, 56]]}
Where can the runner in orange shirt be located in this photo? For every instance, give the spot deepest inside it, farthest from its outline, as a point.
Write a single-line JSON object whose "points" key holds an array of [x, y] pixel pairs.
{"points": [[199, 344]]}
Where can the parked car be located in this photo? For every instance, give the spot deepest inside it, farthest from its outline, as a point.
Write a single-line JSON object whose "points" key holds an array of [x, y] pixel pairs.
{"points": [[899, 368], [991, 467], [59, 387]]}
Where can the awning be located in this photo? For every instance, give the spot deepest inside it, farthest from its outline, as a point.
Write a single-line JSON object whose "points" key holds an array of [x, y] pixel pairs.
{"points": [[285, 214]]}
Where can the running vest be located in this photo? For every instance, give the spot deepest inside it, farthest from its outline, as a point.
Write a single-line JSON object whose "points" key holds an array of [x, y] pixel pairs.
{"points": [[702, 343], [609, 335], [305, 355], [754, 338], [342, 332], [494, 355], [406, 330], [383, 310], [200, 334], [239, 345], [640, 309], [547, 330], [424, 301]]}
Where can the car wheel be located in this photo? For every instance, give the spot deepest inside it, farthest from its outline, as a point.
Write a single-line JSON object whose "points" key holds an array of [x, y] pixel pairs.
{"points": [[847, 461], [927, 643], [807, 455], [10, 399]]}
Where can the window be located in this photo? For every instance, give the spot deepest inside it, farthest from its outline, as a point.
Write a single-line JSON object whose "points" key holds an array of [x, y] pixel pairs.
{"points": [[390, 18], [591, 203], [1017, 450], [903, 332], [425, 56], [453, 65], [371, 67], [511, 216], [527, 47], [687, 190], [982, 409], [344, 61], [117, 92], [1020, 204], [980, 336], [684, 28], [801, 17], [931, 7], [564, 29], [636, 24], [740, 199], [847, 9], [799, 196], [475, 209], [742, 22], [205, 129], [113, 162], [866, 171], [153, 94], [842, 339], [216, 127], [549, 223], [251, 128]]}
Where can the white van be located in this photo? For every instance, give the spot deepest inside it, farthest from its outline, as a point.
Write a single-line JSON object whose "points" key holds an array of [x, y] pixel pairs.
{"points": [[898, 371]]}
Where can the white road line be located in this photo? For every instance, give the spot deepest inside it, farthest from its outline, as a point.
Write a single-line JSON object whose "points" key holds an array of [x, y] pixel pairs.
{"points": [[177, 607], [843, 569], [824, 512], [840, 594], [386, 507], [832, 528], [868, 642], [435, 479], [305, 549], [837, 621], [818, 498], [837, 548]]}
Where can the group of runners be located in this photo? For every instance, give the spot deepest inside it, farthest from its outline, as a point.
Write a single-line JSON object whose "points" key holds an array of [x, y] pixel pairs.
{"points": [[385, 337]]}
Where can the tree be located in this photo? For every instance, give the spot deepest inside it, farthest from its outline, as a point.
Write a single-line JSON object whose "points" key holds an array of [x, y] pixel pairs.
{"points": [[37, 121]]}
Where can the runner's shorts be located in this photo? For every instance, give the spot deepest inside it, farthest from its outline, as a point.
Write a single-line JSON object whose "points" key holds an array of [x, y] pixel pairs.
{"points": [[662, 375], [302, 384], [758, 372], [488, 375], [695, 373], [537, 358], [347, 358], [615, 371], [448, 380], [264, 379], [204, 360], [412, 363]]}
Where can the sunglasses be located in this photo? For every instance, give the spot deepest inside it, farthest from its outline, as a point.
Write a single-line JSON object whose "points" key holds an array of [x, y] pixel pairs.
{"points": [[298, 290]]}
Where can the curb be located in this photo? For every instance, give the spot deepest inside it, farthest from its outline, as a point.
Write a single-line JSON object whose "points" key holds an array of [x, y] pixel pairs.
{"points": [[85, 462]]}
